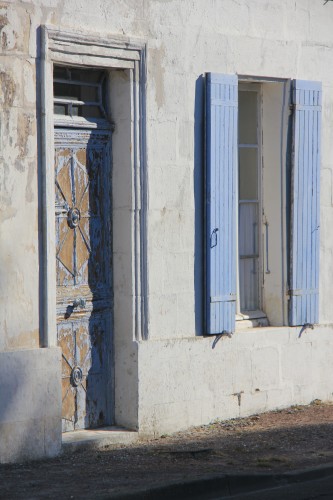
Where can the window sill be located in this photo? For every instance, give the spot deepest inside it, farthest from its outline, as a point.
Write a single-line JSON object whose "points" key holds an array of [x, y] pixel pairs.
{"points": [[251, 319]]}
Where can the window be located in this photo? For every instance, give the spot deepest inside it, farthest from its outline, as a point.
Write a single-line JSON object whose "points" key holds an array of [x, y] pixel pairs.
{"points": [[79, 92], [249, 201], [262, 219]]}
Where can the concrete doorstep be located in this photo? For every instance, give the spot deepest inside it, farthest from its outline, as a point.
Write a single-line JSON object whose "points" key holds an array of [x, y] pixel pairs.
{"points": [[97, 438], [226, 485]]}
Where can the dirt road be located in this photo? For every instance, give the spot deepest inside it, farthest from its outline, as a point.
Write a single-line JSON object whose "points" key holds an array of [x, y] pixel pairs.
{"points": [[285, 440]]}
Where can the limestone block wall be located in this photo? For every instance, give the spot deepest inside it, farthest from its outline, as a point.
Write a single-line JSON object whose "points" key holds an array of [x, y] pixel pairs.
{"points": [[30, 404], [176, 378], [186, 382]]}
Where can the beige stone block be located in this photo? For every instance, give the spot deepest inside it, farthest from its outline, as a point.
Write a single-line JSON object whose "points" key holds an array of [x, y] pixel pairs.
{"points": [[30, 410], [173, 188], [162, 317], [280, 397], [177, 276], [252, 402], [157, 270], [123, 317], [226, 407], [161, 143], [15, 33], [326, 190], [296, 363], [320, 19], [265, 368], [186, 313], [123, 277], [164, 226], [22, 440], [122, 176], [122, 230], [239, 364], [52, 431], [126, 402]]}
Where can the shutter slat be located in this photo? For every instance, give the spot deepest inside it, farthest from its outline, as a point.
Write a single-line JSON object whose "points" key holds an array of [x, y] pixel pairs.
{"points": [[304, 251], [220, 230]]}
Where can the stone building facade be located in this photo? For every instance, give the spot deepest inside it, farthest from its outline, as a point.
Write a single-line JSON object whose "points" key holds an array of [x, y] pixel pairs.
{"points": [[161, 222]]}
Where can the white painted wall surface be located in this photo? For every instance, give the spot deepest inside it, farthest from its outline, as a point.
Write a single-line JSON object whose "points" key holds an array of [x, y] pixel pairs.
{"points": [[188, 382], [30, 409], [180, 379]]}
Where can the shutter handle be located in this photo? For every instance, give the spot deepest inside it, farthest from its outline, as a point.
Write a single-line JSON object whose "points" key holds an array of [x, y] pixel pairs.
{"points": [[267, 264], [213, 238]]}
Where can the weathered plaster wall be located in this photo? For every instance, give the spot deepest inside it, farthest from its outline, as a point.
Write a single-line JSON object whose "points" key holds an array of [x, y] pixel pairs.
{"points": [[19, 321], [30, 404], [185, 39], [272, 39], [195, 380]]}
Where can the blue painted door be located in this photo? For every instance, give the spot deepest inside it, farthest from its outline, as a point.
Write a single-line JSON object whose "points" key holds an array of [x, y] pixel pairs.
{"points": [[304, 251], [220, 213], [83, 266]]}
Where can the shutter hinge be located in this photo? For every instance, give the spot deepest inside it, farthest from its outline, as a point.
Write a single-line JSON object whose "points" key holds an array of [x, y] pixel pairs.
{"points": [[291, 109], [304, 327], [220, 335]]}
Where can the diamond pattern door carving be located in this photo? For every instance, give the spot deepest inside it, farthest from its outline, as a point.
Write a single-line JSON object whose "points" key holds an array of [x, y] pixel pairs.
{"points": [[83, 265]]}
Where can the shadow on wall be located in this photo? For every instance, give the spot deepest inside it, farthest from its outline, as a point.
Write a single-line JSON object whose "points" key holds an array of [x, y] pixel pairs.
{"points": [[30, 424], [199, 178]]}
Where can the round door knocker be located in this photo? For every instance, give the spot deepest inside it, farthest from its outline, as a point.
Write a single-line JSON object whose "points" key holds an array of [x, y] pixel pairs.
{"points": [[73, 217], [76, 376]]}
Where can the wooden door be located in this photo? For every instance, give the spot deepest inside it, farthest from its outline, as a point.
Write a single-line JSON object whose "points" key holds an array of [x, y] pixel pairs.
{"points": [[84, 282]]}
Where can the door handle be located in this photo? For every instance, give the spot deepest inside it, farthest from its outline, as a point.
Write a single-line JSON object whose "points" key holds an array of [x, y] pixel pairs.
{"points": [[80, 303]]}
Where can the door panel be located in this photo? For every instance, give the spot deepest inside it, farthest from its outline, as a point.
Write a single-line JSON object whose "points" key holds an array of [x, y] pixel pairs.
{"points": [[83, 264]]}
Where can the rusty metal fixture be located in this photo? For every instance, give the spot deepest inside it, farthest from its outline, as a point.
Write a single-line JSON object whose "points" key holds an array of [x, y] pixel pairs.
{"points": [[73, 217], [76, 376], [80, 303]]}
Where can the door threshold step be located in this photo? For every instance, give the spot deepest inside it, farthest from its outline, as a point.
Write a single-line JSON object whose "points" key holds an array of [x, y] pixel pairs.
{"points": [[97, 438]]}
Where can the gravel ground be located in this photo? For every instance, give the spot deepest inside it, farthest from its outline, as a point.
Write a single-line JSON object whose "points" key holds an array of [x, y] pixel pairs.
{"points": [[290, 439]]}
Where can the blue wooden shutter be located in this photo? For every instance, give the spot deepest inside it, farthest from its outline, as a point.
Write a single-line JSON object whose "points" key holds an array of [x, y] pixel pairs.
{"points": [[304, 251], [220, 214]]}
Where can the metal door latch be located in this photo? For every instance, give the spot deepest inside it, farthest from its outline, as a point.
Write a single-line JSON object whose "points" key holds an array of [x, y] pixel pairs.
{"points": [[80, 303]]}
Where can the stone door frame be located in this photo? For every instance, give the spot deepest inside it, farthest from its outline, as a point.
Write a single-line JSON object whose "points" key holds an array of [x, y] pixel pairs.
{"points": [[125, 60]]}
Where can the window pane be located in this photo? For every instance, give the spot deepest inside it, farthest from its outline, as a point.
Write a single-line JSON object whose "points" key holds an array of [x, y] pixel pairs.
{"points": [[248, 174], [83, 85], [247, 117], [91, 112], [60, 72], [248, 229], [89, 93], [86, 75], [75, 110], [249, 284], [66, 91], [60, 109]]}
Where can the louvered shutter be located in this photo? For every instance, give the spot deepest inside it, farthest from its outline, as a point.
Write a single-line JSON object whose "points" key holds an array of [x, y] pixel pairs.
{"points": [[220, 213], [304, 251]]}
